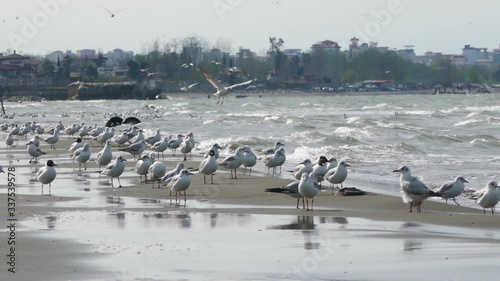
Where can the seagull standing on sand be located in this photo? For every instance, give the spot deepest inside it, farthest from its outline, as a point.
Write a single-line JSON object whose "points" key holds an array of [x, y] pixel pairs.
{"points": [[121, 139], [291, 189], [156, 172], [452, 189], [208, 166], [115, 169], [82, 155], [135, 148], [250, 159], [221, 90], [180, 183], [142, 166], [488, 196], [9, 141], [304, 167], [232, 162], [154, 138], [175, 143], [47, 174], [77, 144], [104, 156], [273, 161], [308, 188], [414, 191], [338, 174], [53, 139], [186, 147], [161, 146], [34, 151], [170, 174]]}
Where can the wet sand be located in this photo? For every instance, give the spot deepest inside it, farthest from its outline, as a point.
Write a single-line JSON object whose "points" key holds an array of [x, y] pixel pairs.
{"points": [[230, 230]]}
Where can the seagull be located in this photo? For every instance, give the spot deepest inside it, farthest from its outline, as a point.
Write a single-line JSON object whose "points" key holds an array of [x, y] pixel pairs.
{"points": [[175, 143], [74, 146], [232, 162], [338, 174], [135, 148], [170, 174], [180, 183], [272, 150], [186, 146], [153, 139], [215, 147], [104, 156], [186, 65], [273, 161], [183, 87], [111, 13], [221, 90], [53, 139], [308, 188], [250, 159], [332, 163], [82, 155], [304, 167], [156, 172], [34, 151], [137, 138], [414, 191], [115, 169], [320, 168], [142, 166], [105, 136], [121, 139], [452, 189], [208, 166], [47, 174], [291, 189], [488, 196], [9, 141], [161, 146]]}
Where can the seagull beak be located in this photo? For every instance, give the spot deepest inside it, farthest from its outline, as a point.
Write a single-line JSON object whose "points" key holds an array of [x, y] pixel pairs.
{"points": [[191, 174], [466, 181], [396, 171], [347, 165], [54, 164]]}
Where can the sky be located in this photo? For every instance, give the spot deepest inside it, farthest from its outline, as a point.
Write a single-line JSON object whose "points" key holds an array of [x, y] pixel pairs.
{"points": [[42, 26]]}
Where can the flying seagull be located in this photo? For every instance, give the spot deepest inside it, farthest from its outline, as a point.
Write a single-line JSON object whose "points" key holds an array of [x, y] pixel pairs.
{"points": [[183, 87], [221, 90], [111, 13]]}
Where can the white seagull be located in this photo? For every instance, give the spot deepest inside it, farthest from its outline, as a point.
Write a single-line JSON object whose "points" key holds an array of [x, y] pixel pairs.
{"points": [[47, 174], [53, 139], [452, 189], [115, 169], [161, 146], [142, 166], [338, 174], [121, 139], [34, 151], [304, 167], [104, 156], [208, 166], [180, 183], [250, 159], [488, 196], [154, 138], [186, 147], [175, 143], [82, 155], [135, 148], [232, 162], [272, 150], [74, 146], [156, 172], [221, 90], [170, 174], [414, 191], [308, 188], [215, 147], [273, 161]]}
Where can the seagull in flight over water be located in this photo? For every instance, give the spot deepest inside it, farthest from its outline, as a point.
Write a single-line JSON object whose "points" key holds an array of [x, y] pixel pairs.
{"points": [[111, 13], [221, 90]]}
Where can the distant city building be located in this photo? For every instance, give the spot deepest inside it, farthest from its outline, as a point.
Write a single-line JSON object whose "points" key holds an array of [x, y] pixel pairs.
{"points": [[473, 55], [292, 52], [118, 57], [326, 45], [408, 53], [86, 53]]}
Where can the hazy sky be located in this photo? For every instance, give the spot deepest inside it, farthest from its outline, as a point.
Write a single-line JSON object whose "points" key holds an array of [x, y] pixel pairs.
{"points": [[41, 26]]}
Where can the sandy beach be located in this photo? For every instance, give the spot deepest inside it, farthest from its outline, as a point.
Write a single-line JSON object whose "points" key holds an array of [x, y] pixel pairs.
{"points": [[87, 230]]}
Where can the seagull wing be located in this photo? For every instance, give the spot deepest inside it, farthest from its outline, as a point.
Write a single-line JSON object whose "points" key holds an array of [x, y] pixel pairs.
{"points": [[444, 188], [107, 10], [212, 81], [241, 84]]}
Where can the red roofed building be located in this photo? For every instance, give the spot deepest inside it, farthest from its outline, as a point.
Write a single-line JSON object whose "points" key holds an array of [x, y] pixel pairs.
{"points": [[327, 45], [17, 66]]}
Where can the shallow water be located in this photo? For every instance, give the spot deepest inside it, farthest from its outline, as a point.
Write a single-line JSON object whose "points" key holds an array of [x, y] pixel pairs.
{"points": [[174, 245]]}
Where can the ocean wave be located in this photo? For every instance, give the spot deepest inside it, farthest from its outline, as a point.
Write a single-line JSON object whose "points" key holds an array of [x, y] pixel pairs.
{"points": [[468, 122], [377, 106]]}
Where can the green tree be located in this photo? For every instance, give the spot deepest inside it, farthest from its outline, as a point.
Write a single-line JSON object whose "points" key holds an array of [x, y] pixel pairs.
{"points": [[66, 64], [496, 74], [350, 76], [133, 72], [48, 69]]}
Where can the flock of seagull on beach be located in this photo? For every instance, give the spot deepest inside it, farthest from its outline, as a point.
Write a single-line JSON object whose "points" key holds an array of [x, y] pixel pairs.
{"points": [[308, 175]]}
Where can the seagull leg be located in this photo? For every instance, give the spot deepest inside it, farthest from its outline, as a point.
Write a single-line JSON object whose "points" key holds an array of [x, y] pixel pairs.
{"points": [[303, 206], [119, 184], [312, 204], [411, 206], [456, 202], [184, 198], [212, 177], [204, 181], [42, 189], [49, 188], [298, 202]]}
